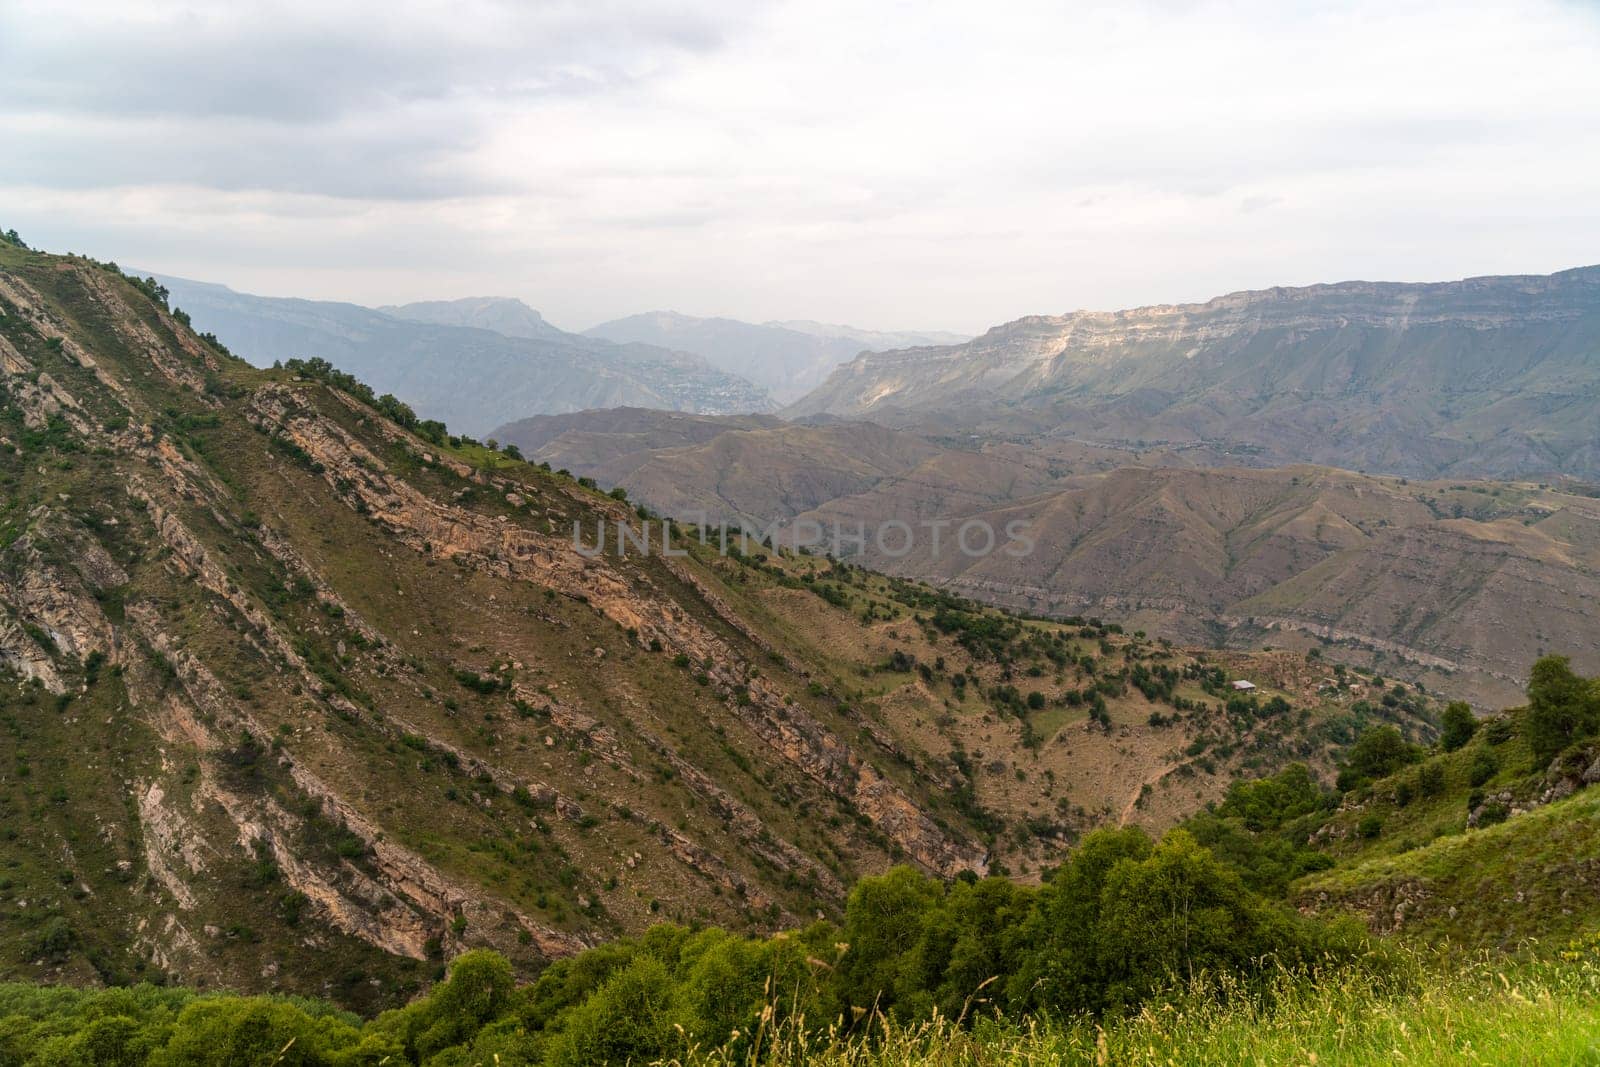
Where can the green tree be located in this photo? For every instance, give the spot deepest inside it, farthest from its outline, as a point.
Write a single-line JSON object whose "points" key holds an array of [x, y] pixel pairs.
{"points": [[478, 991], [1058, 970], [1377, 753], [1174, 914], [884, 922], [969, 943], [627, 1020], [1562, 707], [253, 1032]]}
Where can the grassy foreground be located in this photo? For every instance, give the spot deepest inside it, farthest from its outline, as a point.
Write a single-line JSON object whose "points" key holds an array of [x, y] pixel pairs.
{"points": [[1485, 1012]]}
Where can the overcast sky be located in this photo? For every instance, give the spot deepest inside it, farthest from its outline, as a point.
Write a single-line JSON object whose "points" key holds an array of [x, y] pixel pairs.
{"points": [[891, 165]]}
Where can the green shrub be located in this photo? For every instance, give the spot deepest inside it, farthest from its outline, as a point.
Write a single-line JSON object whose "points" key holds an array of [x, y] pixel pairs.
{"points": [[1457, 725], [1483, 767]]}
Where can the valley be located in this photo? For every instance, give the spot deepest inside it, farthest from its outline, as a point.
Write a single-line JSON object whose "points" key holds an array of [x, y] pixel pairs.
{"points": [[1457, 584]]}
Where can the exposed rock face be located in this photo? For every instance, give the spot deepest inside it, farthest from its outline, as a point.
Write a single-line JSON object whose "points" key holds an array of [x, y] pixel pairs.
{"points": [[507, 550], [1488, 376]]}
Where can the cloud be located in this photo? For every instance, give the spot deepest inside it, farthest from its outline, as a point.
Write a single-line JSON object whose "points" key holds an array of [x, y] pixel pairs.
{"points": [[933, 164]]}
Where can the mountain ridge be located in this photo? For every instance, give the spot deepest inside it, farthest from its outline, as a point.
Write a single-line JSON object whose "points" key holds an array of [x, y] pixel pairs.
{"points": [[1451, 582], [1489, 377], [501, 314], [468, 376]]}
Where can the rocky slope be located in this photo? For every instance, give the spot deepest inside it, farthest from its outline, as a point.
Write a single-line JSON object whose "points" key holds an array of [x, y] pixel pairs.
{"points": [[1496, 377], [1483, 847], [448, 361], [295, 698]]}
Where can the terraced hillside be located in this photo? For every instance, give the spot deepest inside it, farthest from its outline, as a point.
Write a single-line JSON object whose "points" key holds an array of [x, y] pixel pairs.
{"points": [[300, 692]]}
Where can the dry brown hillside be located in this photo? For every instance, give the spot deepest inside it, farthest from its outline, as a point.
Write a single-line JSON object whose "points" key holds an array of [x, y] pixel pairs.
{"points": [[1459, 585]]}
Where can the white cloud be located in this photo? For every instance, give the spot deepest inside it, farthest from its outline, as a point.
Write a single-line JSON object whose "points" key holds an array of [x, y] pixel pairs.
{"points": [[931, 164]]}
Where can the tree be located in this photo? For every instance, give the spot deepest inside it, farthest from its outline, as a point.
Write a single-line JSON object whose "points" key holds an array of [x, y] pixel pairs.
{"points": [[1179, 913], [1562, 707], [1457, 725], [884, 921], [627, 1020], [1060, 971], [1376, 754]]}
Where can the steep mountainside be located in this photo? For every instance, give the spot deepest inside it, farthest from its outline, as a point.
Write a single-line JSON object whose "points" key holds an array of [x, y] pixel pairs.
{"points": [[788, 359], [1492, 377], [468, 376], [300, 693], [1461, 584]]}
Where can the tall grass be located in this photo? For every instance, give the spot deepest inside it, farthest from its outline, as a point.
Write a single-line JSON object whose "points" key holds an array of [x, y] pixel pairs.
{"points": [[1486, 1011]]}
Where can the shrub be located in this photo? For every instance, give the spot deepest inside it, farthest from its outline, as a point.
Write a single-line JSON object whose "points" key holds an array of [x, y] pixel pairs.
{"points": [[1483, 767], [1457, 725]]}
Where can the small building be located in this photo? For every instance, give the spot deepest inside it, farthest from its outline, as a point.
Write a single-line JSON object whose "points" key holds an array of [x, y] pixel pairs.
{"points": [[1243, 686]]}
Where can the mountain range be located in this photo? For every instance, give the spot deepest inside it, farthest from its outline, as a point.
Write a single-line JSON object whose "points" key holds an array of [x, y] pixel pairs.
{"points": [[1459, 584], [1488, 377], [472, 364]]}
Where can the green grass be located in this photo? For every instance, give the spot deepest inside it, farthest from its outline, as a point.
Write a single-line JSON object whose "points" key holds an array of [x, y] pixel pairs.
{"points": [[1485, 1013], [1488, 1011]]}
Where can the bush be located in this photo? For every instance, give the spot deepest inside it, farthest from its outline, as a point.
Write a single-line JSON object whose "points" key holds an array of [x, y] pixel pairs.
{"points": [[1457, 726]]}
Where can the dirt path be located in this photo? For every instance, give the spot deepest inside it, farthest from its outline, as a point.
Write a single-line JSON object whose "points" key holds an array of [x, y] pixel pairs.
{"points": [[1133, 801]]}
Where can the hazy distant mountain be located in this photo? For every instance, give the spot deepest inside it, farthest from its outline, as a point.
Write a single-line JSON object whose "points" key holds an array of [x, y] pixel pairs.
{"points": [[785, 358], [502, 314], [873, 340], [1496, 376], [471, 378]]}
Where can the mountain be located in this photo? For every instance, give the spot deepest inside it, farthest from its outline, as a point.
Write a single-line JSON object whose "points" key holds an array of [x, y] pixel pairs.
{"points": [[1458, 584], [461, 373], [303, 694], [786, 358], [499, 314], [1488, 377], [873, 340]]}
